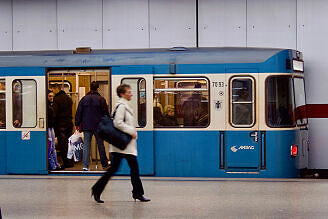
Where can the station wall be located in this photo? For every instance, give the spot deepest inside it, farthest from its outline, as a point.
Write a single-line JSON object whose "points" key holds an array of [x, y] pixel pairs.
{"points": [[116, 24]]}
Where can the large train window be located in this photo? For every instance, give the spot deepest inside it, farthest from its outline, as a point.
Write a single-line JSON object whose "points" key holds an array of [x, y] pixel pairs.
{"points": [[279, 101], [300, 104], [2, 104], [138, 101], [242, 102], [24, 103], [181, 102]]}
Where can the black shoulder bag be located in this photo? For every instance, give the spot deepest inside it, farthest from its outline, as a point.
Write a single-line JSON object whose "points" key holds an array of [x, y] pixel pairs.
{"points": [[107, 131]]}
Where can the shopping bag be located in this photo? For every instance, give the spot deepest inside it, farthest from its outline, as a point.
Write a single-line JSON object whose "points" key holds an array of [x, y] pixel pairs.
{"points": [[75, 146], [51, 162]]}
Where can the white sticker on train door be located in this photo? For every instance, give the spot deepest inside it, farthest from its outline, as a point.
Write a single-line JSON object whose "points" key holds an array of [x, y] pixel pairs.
{"points": [[26, 135]]}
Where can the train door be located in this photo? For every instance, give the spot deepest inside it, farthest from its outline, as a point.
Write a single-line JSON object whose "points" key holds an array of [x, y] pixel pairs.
{"points": [[142, 104], [242, 146], [2, 124], [26, 148], [76, 84]]}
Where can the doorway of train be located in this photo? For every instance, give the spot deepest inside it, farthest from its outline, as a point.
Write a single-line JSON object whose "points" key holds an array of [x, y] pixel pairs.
{"points": [[242, 138], [76, 84]]}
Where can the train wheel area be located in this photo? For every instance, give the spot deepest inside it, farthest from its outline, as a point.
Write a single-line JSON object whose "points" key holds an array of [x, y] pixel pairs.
{"points": [[69, 196]]}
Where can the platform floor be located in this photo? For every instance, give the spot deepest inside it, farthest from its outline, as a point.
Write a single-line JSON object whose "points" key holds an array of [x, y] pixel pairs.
{"points": [[69, 197]]}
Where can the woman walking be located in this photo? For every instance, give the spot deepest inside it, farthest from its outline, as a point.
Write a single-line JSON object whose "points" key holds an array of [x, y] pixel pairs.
{"points": [[124, 120]]}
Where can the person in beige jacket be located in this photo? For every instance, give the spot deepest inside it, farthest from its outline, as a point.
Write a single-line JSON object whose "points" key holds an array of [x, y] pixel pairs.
{"points": [[125, 121]]}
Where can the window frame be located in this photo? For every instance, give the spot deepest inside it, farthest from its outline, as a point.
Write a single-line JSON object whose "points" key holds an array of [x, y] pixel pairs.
{"points": [[36, 105], [266, 102], [253, 102], [198, 89], [138, 98], [5, 101], [307, 120]]}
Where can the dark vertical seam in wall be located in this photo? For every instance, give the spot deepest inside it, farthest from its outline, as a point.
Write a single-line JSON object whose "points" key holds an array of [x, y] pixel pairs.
{"points": [[57, 27], [197, 36], [12, 25], [296, 26], [102, 24], [246, 28], [148, 23]]}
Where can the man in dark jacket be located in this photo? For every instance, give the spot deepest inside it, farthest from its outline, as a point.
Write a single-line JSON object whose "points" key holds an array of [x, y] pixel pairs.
{"points": [[63, 123], [89, 112]]}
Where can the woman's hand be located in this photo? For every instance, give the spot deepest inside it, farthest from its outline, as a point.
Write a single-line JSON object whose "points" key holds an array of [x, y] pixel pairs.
{"points": [[135, 136]]}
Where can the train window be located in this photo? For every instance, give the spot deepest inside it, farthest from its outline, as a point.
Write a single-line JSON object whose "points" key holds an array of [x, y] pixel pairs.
{"points": [[279, 101], [2, 104], [24, 103], [181, 102], [300, 111], [138, 101], [242, 102]]}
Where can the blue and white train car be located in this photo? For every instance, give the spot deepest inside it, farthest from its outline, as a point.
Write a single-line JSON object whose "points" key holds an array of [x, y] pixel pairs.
{"points": [[201, 112]]}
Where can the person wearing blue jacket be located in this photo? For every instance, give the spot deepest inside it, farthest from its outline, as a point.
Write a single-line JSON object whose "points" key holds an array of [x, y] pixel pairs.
{"points": [[88, 115]]}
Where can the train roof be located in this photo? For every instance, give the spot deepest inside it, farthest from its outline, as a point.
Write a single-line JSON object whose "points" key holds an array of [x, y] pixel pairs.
{"points": [[176, 55]]}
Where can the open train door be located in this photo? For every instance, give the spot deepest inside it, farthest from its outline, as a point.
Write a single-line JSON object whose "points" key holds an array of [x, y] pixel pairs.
{"points": [[141, 81], [26, 141], [242, 139]]}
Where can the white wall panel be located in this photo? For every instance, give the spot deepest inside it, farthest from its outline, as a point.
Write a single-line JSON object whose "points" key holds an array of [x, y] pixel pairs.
{"points": [[34, 25], [271, 23], [5, 25], [222, 23], [126, 24], [79, 23], [318, 129], [312, 35], [172, 23]]}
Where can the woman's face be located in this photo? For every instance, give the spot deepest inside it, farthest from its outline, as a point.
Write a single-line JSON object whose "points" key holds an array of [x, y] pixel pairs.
{"points": [[51, 97], [170, 112], [128, 94]]}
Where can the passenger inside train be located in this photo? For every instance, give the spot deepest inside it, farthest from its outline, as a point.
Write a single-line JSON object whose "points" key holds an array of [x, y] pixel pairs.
{"points": [[2, 104], [169, 118], [17, 103], [63, 123], [181, 103]]}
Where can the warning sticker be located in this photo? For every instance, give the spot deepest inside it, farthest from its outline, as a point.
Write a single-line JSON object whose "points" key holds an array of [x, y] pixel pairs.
{"points": [[26, 135]]}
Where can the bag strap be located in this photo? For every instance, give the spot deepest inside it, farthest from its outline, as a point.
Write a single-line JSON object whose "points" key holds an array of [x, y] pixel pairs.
{"points": [[113, 116], [114, 113]]}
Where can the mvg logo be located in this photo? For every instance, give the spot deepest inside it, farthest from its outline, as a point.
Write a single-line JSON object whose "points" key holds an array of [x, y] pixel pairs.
{"points": [[243, 147]]}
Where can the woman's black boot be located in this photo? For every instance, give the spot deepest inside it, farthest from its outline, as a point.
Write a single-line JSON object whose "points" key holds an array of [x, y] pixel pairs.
{"points": [[96, 196]]}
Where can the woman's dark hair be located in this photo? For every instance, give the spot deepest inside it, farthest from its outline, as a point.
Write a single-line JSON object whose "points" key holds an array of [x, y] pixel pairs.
{"points": [[122, 89], [50, 91], [94, 86]]}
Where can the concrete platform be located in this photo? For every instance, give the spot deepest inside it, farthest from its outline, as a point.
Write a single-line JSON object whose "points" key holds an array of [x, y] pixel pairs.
{"points": [[69, 197]]}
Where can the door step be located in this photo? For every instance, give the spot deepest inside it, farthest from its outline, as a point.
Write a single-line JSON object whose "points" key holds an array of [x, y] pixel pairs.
{"points": [[76, 172], [243, 172]]}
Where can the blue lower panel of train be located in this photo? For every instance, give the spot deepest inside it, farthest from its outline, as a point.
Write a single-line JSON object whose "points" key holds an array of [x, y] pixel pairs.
{"points": [[3, 153], [216, 154], [176, 154], [25, 153]]}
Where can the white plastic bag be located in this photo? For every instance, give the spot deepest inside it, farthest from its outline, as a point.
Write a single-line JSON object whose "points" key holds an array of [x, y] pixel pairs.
{"points": [[75, 146]]}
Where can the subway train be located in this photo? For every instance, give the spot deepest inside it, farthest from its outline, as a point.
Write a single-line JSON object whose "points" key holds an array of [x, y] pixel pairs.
{"points": [[200, 112]]}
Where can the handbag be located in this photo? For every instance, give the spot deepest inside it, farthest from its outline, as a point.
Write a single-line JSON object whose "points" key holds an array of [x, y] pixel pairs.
{"points": [[107, 131]]}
